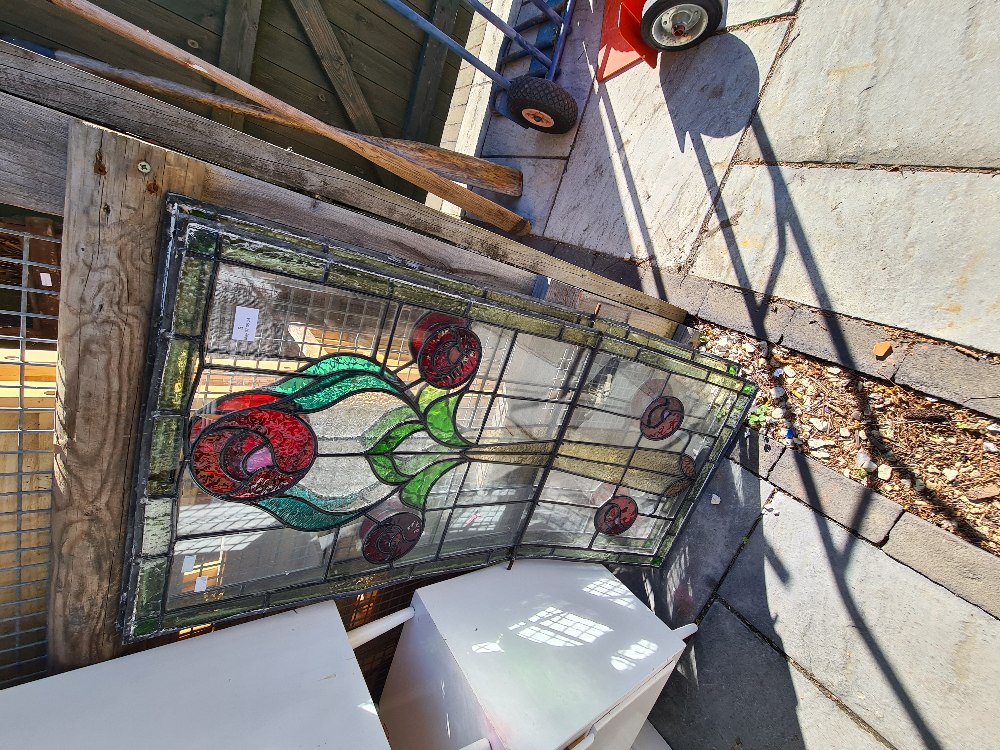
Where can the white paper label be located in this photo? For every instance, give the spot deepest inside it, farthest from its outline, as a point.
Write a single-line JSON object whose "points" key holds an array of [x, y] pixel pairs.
{"points": [[245, 324], [188, 565], [200, 584], [45, 278]]}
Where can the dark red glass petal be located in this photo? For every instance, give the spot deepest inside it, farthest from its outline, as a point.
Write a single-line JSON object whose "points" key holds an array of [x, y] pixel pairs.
{"points": [[392, 538], [450, 356], [662, 418], [428, 322], [616, 515]]}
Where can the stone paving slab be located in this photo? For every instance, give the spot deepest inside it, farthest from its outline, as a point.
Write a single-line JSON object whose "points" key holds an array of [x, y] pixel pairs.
{"points": [[541, 179], [900, 82], [955, 376], [894, 248], [757, 455], [968, 571], [844, 340], [506, 138], [723, 516], [847, 502], [653, 144], [732, 690], [914, 661], [745, 11]]}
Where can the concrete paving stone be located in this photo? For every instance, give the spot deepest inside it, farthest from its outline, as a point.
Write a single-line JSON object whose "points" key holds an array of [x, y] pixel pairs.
{"points": [[968, 571], [745, 11], [695, 564], [847, 502], [889, 247], [507, 138], [742, 310], [732, 690], [653, 146], [943, 371], [917, 663], [844, 340], [755, 454], [543, 176], [885, 83]]}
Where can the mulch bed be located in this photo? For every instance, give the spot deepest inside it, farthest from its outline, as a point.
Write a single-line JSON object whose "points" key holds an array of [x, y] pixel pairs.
{"points": [[937, 460]]}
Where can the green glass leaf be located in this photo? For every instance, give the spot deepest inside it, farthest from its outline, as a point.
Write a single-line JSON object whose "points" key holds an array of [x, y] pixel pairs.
{"points": [[415, 492], [440, 418], [385, 470], [388, 421], [429, 395], [300, 515], [325, 394], [396, 436]]}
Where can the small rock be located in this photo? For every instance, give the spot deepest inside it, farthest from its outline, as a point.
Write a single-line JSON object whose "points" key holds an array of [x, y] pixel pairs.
{"points": [[816, 443], [981, 494], [819, 424], [819, 454], [906, 482], [789, 372], [778, 373], [884, 472], [777, 392], [951, 525], [778, 413], [845, 432], [749, 348], [989, 447], [833, 370], [716, 499], [882, 349], [863, 459], [856, 415], [722, 343], [994, 428], [950, 474], [918, 484]]}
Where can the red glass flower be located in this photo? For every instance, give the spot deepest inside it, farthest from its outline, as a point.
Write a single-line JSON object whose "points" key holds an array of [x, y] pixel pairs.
{"points": [[244, 449], [447, 350], [616, 515], [661, 418]]}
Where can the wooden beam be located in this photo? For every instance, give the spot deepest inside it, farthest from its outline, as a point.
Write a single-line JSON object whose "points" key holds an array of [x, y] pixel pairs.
{"points": [[25, 75], [475, 204], [336, 65], [420, 109], [111, 240], [236, 51]]}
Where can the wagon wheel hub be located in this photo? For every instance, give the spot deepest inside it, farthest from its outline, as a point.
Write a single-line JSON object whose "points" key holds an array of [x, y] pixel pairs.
{"points": [[539, 118]]}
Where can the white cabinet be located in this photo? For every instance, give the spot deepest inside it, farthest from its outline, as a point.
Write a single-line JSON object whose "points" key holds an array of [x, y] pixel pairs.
{"points": [[286, 681], [545, 656]]}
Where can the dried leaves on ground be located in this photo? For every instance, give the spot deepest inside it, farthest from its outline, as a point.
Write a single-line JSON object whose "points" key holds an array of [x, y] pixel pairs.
{"points": [[937, 460]]}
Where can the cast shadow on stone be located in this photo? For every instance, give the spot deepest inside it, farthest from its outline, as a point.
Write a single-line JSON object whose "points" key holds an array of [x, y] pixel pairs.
{"points": [[720, 109], [706, 704]]}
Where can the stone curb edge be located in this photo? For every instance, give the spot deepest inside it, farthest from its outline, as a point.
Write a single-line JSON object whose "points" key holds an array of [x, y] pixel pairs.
{"points": [[965, 570], [935, 368]]}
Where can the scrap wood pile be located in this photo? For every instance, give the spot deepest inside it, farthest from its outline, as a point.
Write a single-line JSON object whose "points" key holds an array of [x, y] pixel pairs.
{"points": [[937, 460]]}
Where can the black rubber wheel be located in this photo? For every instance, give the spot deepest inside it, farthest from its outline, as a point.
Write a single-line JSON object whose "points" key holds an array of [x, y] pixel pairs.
{"points": [[690, 22], [541, 104]]}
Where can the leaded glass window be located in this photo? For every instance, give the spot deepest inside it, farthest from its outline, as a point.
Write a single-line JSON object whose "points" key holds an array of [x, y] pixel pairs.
{"points": [[322, 420]]}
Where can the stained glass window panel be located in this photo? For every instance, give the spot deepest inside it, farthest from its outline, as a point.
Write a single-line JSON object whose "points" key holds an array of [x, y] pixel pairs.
{"points": [[321, 420]]}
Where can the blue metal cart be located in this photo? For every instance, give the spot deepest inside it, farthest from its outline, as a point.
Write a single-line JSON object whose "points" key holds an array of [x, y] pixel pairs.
{"points": [[533, 100]]}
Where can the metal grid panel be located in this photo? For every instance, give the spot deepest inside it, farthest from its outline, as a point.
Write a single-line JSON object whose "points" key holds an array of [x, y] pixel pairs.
{"points": [[29, 289]]}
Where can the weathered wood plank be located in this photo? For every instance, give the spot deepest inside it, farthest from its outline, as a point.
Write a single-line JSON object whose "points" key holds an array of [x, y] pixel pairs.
{"points": [[39, 79], [111, 239], [236, 50], [335, 64], [433, 55], [32, 156]]}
